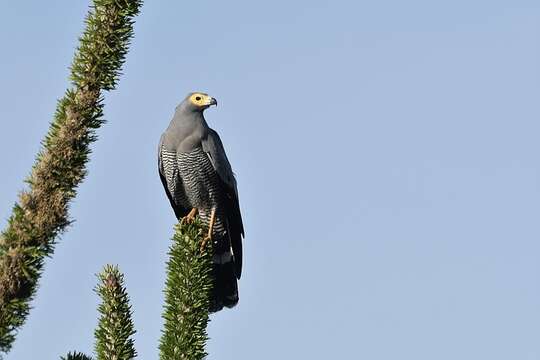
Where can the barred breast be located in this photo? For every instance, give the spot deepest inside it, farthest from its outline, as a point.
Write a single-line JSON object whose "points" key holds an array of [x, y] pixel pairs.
{"points": [[199, 179], [202, 187]]}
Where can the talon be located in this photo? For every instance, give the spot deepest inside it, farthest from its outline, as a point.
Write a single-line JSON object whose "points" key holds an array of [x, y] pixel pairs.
{"points": [[210, 229], [205, 240], [189, 218]]}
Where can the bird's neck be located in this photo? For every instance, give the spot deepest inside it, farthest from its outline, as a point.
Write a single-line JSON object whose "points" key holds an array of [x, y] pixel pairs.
{"points": [[185, 131], [187, 119]]}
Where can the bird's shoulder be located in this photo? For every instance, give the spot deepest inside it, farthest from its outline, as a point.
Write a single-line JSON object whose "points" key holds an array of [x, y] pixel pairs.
{"points": [[212, 140], [213, 146]]}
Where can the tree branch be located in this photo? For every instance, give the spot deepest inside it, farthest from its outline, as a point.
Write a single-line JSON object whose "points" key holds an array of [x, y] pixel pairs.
{"points": [[42, 211], [115, 327], [76, 356], [187, 290]]}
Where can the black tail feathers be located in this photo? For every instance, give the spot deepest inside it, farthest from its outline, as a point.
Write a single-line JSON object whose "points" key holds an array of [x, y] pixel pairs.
{"points": [[225, 287]]}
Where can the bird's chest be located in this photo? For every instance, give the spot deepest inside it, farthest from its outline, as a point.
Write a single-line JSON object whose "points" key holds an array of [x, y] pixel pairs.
{"points": [[199, 178]]}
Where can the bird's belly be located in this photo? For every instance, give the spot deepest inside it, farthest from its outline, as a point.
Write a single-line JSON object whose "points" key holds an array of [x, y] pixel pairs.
{"points": [[202, 190], [199, 179]]}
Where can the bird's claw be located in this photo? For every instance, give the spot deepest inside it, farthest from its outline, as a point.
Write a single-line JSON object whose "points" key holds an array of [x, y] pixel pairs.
{"points": [[189, 218], [205, 240], [210, 229]]}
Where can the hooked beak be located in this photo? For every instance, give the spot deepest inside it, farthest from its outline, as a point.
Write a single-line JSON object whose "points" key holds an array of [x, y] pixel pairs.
{"points": [[213, 101]]}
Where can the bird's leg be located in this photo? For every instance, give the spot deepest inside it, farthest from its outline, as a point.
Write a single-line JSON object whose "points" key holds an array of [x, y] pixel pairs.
{"points": [[210, 229], [189, 218]]}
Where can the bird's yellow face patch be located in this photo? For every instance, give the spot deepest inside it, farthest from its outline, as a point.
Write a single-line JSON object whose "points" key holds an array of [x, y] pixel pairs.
{"points": [[200, 99]]}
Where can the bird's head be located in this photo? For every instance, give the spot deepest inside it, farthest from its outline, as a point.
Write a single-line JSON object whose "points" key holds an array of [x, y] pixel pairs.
{"points": [[198, 101]]}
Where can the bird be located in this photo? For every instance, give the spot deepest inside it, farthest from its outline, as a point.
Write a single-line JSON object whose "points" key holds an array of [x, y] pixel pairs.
{"points": [[198, 178]]}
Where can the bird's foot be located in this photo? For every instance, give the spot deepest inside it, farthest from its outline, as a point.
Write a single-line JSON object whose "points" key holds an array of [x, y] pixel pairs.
{"points": [[210, 229], [189, 218], [205, 240]]}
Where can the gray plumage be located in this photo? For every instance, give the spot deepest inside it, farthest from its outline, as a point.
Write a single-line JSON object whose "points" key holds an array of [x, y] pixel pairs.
{"points": [[196, 173]]}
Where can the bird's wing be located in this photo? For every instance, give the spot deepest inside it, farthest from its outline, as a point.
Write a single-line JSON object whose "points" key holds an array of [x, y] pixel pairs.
{"points": [[172, 166], [213, 147]]}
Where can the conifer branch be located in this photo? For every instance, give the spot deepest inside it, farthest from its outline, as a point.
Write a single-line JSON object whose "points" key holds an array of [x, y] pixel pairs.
{"points": [[42, 210], [115, 327], [187, 290]]}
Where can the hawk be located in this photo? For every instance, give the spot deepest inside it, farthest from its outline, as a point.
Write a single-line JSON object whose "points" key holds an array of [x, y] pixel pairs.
{"points": [[198, 178]]}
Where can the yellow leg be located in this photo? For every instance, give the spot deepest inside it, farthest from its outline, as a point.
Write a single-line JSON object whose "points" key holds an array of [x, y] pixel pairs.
{"points": [[189, 218], [210, 229]]}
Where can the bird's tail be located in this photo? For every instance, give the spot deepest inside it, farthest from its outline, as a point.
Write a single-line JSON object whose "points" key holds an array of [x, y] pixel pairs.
{"points": [[225, 287]]}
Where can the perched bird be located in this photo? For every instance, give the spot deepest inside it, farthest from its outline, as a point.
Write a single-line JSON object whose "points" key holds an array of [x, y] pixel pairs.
{"points": [[197, 177]]}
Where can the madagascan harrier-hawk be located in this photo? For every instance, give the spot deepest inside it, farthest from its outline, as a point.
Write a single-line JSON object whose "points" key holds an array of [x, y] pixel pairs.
{"points": [[198, 177]]}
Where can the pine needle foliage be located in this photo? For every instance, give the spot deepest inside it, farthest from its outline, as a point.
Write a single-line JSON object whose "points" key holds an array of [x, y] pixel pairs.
{"points": [[115, 328], [76, 356], [42, 210], [187, 291]]}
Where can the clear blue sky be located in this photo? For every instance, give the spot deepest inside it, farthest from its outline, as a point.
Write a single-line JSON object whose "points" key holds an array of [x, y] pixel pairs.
{"points": [[387, 155]]}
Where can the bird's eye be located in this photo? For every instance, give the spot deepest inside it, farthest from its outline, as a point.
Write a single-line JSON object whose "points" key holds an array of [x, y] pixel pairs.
{"points": [[198, 98]]}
